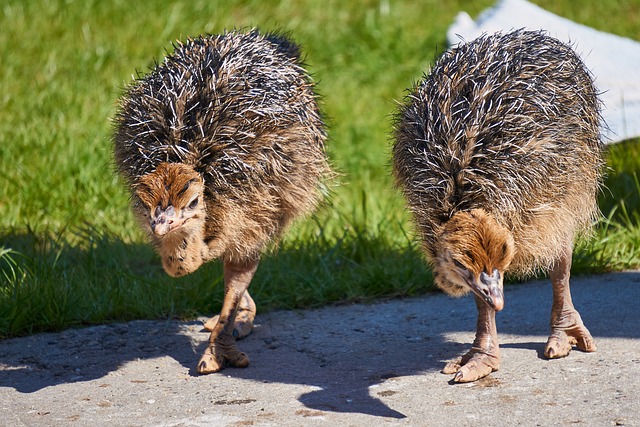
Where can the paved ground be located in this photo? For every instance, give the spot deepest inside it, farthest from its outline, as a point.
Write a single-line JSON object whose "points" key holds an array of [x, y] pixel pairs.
{"points": [[352, 365]]}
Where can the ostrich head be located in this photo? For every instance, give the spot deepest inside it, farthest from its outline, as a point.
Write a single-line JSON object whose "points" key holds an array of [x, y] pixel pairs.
{"points": [[173, 198], [473, 253]]}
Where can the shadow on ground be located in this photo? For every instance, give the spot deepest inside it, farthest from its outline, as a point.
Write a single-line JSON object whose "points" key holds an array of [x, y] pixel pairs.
{"points": [[341, 352]]}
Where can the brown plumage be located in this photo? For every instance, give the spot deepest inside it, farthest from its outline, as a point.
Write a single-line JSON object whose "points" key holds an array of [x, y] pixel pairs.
{"points": [[499, 155], [222, 146]]}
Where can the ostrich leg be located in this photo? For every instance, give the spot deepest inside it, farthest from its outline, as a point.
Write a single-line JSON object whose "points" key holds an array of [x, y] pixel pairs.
{"points": [[244, 318], [222, 347], [567, 328]]}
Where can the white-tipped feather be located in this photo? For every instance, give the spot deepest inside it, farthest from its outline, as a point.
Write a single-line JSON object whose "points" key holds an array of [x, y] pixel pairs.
{"points": [[239, 109], [508, 123]]}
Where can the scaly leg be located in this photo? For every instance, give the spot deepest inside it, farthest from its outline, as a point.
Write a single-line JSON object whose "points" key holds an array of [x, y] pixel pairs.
{"points": [[222, 347], [484, 356], [567, 328], [244, 318]]}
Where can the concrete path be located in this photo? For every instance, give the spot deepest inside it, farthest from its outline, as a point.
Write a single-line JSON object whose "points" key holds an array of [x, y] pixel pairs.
{"points": [[359, 365]]}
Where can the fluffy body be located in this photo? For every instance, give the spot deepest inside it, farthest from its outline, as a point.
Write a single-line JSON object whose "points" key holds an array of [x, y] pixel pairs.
{"points": [[222, 146], [499, 155], [240, 110], [509, 124]]}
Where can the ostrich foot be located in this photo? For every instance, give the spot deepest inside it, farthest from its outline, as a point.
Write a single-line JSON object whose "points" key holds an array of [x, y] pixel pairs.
{"points": [[474, 365], [223, 352], [484, 356], [243, 324], [567, 331]]}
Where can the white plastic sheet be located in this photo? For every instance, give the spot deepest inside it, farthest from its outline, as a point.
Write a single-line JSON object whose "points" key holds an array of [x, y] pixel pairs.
{"points": [[613, 60]]}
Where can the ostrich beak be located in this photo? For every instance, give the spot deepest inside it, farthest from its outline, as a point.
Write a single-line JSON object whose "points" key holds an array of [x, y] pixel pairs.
{"points": [[489, 288], [164, 220]]}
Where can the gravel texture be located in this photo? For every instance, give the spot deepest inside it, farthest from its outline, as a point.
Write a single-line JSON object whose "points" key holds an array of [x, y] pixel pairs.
{"points": [[353, 365]]}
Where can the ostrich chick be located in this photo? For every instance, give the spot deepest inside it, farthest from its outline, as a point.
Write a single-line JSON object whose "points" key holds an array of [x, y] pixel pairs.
{"points": [[499, 156], [222, 146]]}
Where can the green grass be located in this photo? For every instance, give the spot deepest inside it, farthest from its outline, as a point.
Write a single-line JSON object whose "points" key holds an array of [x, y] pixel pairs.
{"points": [[70, 252]]}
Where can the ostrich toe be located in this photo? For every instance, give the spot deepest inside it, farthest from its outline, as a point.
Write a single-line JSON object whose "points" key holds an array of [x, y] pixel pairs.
{"points": [[563, 337], [221, 353], [473, 365]]}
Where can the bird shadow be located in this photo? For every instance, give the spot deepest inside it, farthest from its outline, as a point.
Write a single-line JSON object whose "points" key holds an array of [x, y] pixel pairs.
{"points": [[339, 352], [344, 353], [342, 379]]}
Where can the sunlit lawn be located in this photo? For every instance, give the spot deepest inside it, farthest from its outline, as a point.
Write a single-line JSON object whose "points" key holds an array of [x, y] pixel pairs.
{"points": [[71, 253]]}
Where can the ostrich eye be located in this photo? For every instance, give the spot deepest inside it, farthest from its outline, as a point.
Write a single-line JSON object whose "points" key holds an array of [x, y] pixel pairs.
{"points": [[458, 264], [193, 203]]}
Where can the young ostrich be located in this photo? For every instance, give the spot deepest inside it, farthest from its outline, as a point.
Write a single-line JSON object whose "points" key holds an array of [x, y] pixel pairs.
{"points": [[222, 146], [499, 156]]}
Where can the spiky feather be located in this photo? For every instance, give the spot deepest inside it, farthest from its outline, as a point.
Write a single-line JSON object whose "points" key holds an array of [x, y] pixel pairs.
{"points": [[239, 109], [508, 123]]}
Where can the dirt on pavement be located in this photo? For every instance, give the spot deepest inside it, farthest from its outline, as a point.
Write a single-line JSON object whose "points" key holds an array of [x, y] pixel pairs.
{"points": [[376, 364]]}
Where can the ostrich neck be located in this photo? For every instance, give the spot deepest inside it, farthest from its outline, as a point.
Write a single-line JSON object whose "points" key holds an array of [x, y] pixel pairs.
{"points": [[182, 251]]}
